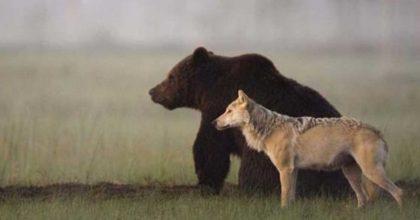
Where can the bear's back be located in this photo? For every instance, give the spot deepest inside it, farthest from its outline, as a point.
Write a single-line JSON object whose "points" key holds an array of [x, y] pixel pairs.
{"points": [[260, 79]]}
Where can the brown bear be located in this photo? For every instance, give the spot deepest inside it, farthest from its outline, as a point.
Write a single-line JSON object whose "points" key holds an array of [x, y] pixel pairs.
{"points": [[208, 83]]}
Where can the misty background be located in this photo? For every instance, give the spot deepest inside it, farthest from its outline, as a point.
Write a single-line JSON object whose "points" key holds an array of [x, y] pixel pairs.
{"points": [[75, 76], [390, 27]]}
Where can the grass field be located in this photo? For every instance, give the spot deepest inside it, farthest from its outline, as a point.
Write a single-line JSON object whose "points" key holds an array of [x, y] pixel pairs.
{"points": [[86, 118]]}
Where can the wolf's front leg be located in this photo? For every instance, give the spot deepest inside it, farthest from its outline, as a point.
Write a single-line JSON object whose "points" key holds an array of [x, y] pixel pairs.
{"points": [[288, 182], [293, 184]]}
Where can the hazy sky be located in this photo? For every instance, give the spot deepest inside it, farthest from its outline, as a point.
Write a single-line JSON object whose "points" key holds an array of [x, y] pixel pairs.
{"points": [[235, 24]]}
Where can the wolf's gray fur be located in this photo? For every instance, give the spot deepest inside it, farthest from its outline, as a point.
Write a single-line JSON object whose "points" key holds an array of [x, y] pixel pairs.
{"points": [[263, 121]]}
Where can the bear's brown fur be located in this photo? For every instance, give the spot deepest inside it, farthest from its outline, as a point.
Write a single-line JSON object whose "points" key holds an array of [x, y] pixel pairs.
{"points": [[208, 83]]}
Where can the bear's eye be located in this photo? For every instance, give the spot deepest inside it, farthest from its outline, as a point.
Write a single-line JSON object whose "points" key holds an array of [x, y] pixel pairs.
{"points": [[229, 111], [171, 79]]}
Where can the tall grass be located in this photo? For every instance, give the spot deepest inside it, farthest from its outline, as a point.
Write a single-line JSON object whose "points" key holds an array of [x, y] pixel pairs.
{"points": [[88, 118], [80, 117], [191, 206]]}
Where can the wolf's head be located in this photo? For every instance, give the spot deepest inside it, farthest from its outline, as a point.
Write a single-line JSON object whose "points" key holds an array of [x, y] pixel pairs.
{"points": [[236, 114]]}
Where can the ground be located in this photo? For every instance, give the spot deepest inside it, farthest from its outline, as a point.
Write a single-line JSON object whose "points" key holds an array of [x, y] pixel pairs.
{"points": [[119, 201], [72, 119]]}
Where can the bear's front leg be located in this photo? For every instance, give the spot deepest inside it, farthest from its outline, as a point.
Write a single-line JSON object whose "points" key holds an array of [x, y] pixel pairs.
{"points": [[211, 157], [257, 174]]}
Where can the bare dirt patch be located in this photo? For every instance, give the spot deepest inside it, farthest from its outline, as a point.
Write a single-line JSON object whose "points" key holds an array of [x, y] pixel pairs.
{"points": [[107, 189], [103, 189]]}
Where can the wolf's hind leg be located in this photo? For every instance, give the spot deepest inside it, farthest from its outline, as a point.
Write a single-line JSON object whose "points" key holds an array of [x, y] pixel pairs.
{"points": [[354, 176], [377, 175], [371, 189]]}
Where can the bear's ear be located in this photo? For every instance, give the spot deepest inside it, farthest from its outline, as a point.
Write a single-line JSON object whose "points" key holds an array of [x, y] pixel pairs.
{"points": [[243, 98], [200, 55]]}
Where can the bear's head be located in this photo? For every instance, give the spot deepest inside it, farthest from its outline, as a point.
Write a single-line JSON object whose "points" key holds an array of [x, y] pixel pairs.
{"points": [[185, 82]]}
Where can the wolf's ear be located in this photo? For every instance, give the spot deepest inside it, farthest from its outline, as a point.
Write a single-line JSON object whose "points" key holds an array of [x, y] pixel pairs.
{"points": [[243, 98], [200, 55]]}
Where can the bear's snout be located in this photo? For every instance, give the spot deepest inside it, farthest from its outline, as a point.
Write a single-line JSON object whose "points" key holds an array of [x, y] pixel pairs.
{"points": [[156, 97], [152, 91], [154, 94]]}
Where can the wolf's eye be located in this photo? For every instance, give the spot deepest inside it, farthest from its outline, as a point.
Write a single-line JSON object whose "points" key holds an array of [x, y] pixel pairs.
{"points": [[228, 111]]}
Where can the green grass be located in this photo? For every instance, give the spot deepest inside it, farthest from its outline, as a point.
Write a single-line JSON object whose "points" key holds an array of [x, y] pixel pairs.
{"points": [[191, 206], [87, 117]]}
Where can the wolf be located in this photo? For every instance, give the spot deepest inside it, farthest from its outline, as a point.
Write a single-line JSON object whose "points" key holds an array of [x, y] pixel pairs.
{"points": [[327, 144]]}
